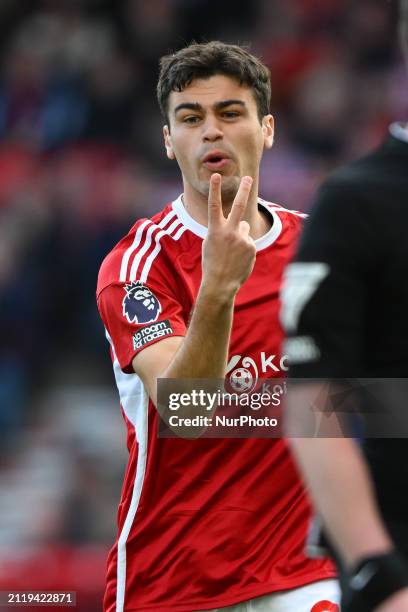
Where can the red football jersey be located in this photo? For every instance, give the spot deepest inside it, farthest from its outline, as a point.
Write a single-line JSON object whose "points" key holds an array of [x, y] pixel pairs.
{"points": [[203, 523]]}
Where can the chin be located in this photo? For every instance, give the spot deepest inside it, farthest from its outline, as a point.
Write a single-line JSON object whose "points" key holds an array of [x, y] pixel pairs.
{"points": [[229, 187]]}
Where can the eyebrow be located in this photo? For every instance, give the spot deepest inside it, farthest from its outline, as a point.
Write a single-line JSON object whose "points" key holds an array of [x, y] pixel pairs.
{"points": [[218, 106]]}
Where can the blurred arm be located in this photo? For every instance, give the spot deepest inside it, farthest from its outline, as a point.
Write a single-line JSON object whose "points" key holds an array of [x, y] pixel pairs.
{"points": [[340, 485]]}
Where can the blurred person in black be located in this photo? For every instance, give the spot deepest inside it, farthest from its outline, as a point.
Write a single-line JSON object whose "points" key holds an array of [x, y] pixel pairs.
{"points": [[345, 310]]}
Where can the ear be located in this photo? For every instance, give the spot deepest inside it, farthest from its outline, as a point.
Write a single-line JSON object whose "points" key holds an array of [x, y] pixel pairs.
{"points": [[268, 129], [167, 142]]}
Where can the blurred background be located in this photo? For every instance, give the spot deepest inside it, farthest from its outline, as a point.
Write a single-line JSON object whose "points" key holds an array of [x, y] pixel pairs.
{"points": [[81, 158]]}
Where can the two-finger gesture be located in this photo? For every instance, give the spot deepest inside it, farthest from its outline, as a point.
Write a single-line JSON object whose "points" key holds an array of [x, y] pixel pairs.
{"points": [[228, 250]]}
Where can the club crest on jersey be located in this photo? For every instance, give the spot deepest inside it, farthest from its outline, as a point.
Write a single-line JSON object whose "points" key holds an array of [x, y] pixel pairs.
{"points": [[140, 305]]}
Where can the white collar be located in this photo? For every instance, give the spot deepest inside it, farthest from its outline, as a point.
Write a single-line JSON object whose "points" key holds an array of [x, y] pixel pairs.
{"points": [[201, 230], [399, 131]]}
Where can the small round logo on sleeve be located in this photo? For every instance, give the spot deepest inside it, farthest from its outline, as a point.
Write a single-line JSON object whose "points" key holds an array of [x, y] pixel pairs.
{"points": [[140, 305]]}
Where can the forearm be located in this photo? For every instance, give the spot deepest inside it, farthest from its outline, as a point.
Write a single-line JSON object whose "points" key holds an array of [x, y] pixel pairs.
{"points": [[202, 354], [204, 350], [342, 491]]}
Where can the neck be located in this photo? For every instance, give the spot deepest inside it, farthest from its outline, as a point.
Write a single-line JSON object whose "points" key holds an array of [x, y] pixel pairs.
{"points": [[196, 204]]}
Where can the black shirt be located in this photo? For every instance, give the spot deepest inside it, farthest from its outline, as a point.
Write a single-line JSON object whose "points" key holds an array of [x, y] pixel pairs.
{"points": [[345, 300]]}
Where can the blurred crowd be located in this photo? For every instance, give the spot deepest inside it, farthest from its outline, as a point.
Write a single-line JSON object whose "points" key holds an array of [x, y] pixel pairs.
{"points": [[81, 158]]}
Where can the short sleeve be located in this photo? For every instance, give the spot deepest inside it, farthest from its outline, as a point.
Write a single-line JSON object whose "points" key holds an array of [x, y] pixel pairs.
{"points": [[325, 291], [137, 315]]}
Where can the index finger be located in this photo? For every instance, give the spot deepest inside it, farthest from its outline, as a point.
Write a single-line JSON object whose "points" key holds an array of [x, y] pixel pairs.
{"points": [[214, 201], [240, 201]]}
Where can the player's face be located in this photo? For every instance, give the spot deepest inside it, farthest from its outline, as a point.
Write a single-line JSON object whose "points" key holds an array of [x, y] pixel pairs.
{"points": [[214, 127]]}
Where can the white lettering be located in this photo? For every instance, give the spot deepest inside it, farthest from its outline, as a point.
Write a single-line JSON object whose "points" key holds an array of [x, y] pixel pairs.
{"points": [[268, 362]]}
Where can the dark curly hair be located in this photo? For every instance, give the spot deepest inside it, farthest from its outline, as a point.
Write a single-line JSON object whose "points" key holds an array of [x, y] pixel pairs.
{"points": [[203, 60]]}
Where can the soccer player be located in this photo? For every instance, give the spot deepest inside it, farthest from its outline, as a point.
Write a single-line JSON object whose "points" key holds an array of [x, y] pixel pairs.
{"points": [[193, 293], [345, 305]]}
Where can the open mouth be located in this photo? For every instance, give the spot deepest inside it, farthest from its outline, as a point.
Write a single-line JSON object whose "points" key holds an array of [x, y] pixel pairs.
{"points": [[215, 161]]}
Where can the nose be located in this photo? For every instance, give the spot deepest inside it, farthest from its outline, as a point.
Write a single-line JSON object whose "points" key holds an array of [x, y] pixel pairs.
{"points": [[211, 130]]}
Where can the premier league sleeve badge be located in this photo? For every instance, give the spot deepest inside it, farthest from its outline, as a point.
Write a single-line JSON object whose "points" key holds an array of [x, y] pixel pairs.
{"points": [[140, 305]]}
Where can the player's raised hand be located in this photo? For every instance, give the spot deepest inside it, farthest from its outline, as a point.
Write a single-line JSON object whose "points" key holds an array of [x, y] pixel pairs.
{"points": [[228, 250]]}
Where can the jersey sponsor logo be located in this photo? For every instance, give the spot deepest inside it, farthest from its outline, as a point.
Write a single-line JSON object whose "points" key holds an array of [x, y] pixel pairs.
{"points": [[147, 334], [241, 380], [244, 377], [140, 305], [300, 281], [244, 372]]}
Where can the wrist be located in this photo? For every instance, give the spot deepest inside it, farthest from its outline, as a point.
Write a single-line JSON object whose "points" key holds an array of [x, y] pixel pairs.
{"points": [[375, 579], [218, 295]]}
